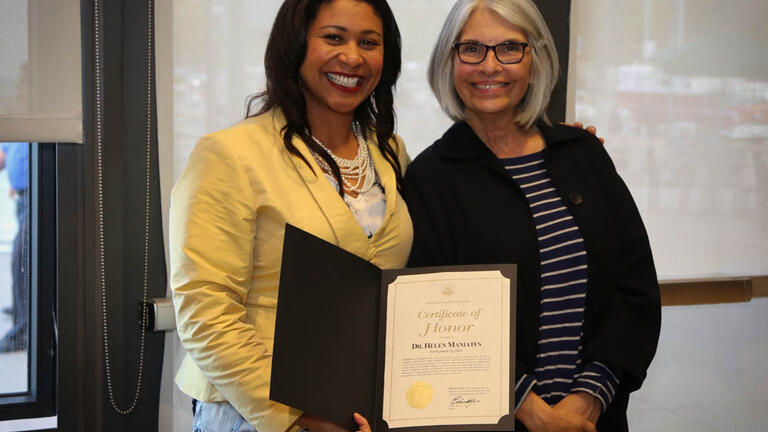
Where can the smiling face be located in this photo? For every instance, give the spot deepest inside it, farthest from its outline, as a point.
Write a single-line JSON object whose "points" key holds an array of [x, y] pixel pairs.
{"points": [[344, 59], [491, 88]]}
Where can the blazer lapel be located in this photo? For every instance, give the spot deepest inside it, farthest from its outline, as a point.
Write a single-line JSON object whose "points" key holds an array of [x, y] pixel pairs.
{"points": [[348, 233], [388, 182]]}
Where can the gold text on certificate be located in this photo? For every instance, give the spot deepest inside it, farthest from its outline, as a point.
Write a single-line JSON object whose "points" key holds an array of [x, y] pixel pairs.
{"points": [[444, 328]]}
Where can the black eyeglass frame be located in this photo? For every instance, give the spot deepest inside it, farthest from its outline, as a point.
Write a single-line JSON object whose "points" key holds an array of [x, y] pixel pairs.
{"points": [[457, 45]]}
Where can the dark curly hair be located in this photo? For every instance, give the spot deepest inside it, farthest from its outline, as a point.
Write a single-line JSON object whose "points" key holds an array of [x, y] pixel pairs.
{"points": [[286, 49]]}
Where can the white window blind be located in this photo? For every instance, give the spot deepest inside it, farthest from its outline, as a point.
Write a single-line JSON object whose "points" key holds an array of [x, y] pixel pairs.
{"points": [[40, 71], [679, 89]]}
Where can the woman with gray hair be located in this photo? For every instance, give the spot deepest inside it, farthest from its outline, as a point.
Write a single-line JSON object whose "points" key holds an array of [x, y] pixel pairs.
{"points": [[504, 185]]}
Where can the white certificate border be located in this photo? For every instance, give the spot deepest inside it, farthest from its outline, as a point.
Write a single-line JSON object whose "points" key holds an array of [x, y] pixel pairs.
{"points": [[505, 317]]}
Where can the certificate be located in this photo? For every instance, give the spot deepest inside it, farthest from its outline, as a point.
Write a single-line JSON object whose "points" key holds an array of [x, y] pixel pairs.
{"points": [[414, 350], [447, 349]]}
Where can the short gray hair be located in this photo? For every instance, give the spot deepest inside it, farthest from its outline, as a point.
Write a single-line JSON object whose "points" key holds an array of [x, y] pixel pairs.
{"points": [[544, 68]]}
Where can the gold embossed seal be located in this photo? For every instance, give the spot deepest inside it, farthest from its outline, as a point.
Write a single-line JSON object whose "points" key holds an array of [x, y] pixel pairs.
{"points": [[419, 394]]}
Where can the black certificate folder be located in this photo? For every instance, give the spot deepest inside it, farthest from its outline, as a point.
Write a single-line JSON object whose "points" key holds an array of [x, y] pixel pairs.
{"points": [[330, 334]]}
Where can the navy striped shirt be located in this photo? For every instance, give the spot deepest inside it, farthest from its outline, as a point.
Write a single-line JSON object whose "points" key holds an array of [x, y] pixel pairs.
{"points": [[559, 370]]}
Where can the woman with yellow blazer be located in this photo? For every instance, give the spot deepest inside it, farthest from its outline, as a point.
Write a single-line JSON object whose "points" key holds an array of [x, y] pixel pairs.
{"points": [[320, 154]]}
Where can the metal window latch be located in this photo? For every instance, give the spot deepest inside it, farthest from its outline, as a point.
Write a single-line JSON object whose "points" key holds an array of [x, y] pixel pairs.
{"points": [[160, 315]]}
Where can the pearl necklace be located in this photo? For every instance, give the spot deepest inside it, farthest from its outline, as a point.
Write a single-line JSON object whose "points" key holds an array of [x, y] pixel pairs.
{"points": [[361, 167]]}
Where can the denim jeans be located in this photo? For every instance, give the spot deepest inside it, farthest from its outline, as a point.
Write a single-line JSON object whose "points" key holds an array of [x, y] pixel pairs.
{"points": [[219, 417]]}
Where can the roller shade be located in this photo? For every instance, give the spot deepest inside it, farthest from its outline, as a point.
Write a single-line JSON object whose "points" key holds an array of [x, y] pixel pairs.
{"points": [[682, 101], [40, 71]]}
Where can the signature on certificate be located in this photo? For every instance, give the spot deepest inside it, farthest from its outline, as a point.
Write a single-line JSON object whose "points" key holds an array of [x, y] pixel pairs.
{"points": [[461, 401]]}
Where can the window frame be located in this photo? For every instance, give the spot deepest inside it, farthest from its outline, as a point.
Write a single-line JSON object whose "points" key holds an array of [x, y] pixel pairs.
{"points": [[40, 398]]}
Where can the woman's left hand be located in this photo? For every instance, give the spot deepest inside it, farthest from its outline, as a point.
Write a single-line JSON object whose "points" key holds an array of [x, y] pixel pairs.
{"points": [[590, 129], [362, 423], [582, 404]]}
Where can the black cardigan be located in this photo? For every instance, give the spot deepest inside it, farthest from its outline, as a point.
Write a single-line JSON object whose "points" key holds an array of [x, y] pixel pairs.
{"points": [[467, 210]]}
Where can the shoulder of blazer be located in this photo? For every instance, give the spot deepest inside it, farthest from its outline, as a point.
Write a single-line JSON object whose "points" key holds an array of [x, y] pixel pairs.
{"points": [[557, 134], [568, 145], [461, 142], [254, 134], [436, 163], [401, 152]]}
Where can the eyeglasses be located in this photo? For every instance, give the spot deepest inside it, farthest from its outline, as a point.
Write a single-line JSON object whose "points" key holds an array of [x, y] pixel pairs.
{"points": [[509, 52]]}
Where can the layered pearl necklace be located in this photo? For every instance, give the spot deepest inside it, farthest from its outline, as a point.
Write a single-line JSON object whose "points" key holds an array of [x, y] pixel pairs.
{"points": [[359, 168]]}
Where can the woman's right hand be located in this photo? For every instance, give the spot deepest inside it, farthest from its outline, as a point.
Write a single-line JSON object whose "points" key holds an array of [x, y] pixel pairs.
{"points": [[316, 424], [590, 129], [538, 416]]}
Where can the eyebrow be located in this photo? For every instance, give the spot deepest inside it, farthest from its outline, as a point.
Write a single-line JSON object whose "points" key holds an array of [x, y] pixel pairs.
{"points": [[502, 42], [344, 29]]}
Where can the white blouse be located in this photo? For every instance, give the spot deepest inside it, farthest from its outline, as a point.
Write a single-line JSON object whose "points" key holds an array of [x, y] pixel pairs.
{"points": [[368, 207]]}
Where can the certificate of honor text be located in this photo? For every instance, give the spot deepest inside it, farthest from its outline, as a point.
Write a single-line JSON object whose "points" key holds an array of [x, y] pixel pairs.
{"points": [[447, 349]]}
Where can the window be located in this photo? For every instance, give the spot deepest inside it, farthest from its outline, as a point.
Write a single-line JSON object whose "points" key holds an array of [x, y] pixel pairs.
{"points": [[679, 89], [14, 267], [40, 101], [682, 100], [27, 278]]}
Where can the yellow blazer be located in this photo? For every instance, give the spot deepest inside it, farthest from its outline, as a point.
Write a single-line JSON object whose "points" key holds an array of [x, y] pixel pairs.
{"points": [[227, 219]]}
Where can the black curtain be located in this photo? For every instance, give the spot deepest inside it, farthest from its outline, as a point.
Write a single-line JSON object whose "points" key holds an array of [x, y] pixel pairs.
{"points": [[117, 69], [558, 17]]}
